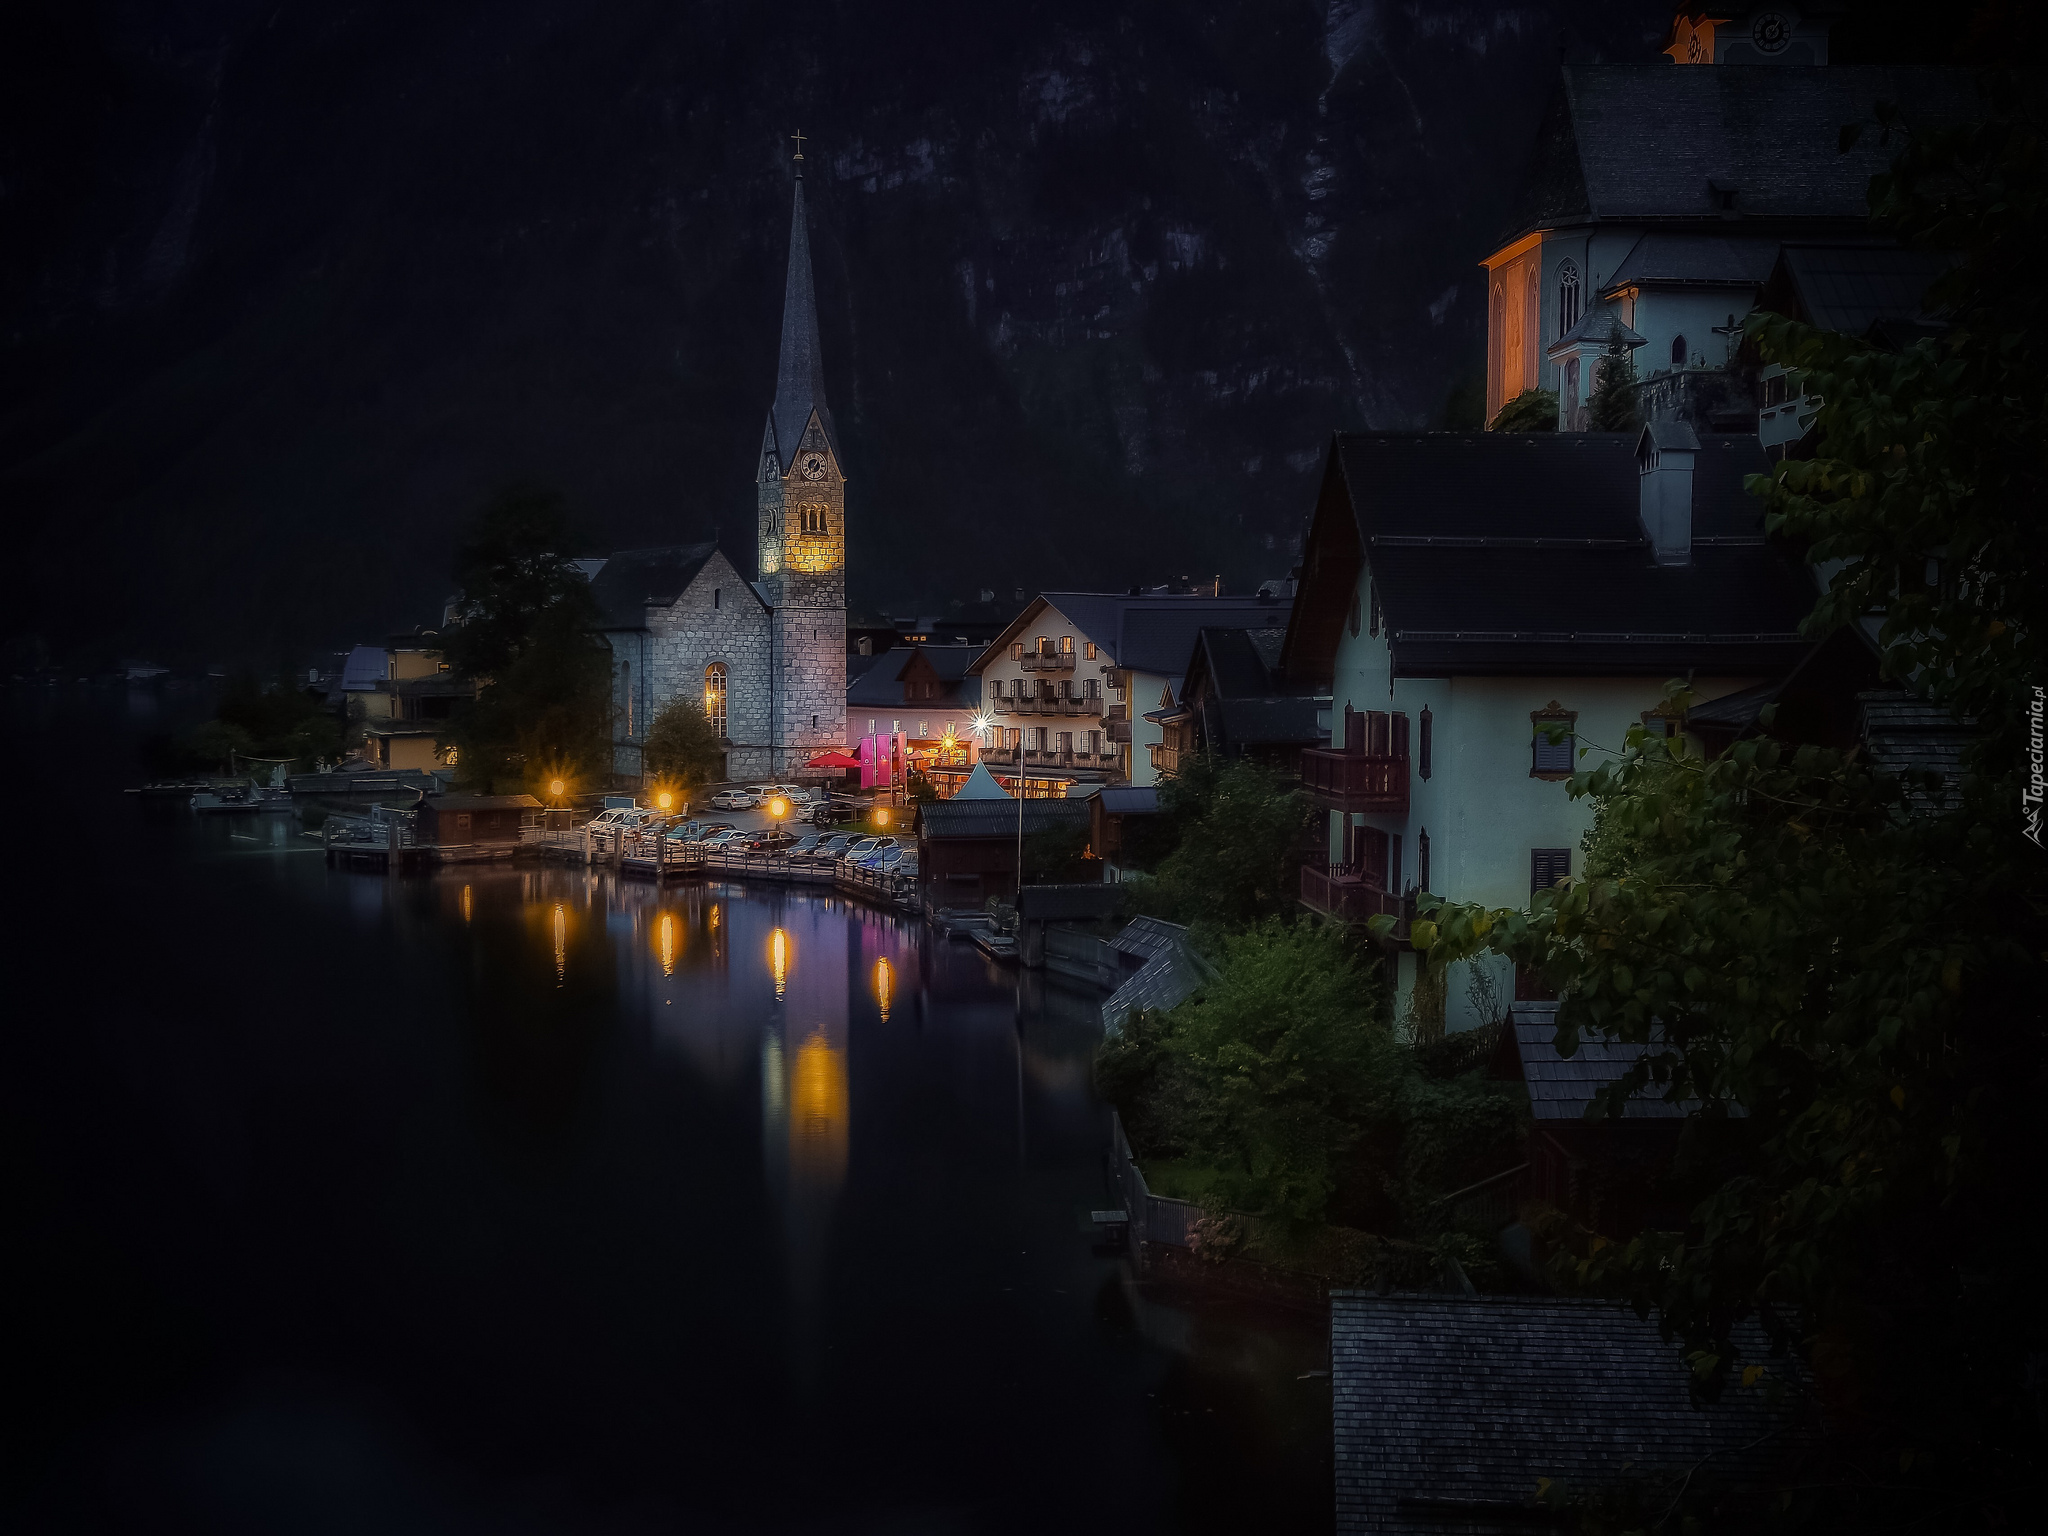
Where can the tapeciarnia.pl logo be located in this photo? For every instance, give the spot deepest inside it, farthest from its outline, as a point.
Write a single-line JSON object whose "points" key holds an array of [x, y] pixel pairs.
{"points": [[2037, 759]]}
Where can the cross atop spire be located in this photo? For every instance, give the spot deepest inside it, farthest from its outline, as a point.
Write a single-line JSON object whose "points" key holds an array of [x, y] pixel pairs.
{"points": [[799, 156], [800, 377]]}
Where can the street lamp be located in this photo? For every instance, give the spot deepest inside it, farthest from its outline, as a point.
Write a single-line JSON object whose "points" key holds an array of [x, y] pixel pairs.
{"points": [[556, 787], [665, 800]]}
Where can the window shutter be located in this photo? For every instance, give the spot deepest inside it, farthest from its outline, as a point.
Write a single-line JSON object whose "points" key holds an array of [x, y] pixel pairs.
{"points": [[1354, 730], [1376, 733], [1422, 851], [1547, 866], [1400, 747], [1422, 765]]}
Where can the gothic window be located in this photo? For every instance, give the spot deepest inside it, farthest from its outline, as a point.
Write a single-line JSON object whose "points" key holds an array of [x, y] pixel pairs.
{"points": [[1569, 304], [1678, 351], [714, 695]]}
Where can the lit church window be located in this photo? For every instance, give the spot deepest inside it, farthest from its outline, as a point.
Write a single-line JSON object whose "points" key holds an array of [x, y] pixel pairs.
{"points": [[714, 695]]}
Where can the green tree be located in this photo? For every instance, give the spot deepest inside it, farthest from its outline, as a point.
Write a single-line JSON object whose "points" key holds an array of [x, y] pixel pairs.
{"points": [[1533, 410], [526, 635], [1239, 833], [1612, 406], [683, 748], [1850, 959]]}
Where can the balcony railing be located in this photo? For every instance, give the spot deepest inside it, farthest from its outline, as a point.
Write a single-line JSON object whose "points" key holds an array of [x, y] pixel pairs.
{"points": [[1345, 895], [1047, 661], [1356, 781]]}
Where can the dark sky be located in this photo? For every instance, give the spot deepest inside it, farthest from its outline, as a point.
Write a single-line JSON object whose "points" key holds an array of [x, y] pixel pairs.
{"points": [[289, 289]]}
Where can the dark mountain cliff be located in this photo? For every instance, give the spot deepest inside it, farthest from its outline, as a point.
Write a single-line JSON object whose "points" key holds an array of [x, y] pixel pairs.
{"points": [[296, 286]]}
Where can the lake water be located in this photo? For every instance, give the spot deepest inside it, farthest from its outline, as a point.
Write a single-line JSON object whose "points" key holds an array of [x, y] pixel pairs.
{"points": [[535, 1200]]}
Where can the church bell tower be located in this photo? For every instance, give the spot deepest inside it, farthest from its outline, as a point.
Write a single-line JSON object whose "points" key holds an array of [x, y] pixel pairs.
{"points": [[801, 527]]}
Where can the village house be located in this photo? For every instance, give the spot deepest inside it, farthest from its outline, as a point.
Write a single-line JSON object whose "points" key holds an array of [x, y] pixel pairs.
{"points": [[1492, 613], [924, 695], [1234, 701], [403, 692], [1663, 194], [1067, 685]]}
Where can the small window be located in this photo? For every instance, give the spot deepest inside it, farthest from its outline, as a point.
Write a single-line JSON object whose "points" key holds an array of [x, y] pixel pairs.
{"points": [[1423, 746], [1017, 651], [1547, 866], [716, 594], [1088, 651], [1553, 742], [924, 730], [1678, 351], [871, 725], [1067, 646], [1665, 726]]}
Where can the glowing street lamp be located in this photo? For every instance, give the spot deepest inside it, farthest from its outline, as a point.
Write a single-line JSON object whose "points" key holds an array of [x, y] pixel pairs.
{"points": [[665, 800], [555, 788], [778, 807]]}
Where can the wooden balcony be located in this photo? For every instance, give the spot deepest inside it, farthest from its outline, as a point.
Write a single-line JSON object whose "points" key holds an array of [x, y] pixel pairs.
{"points": [[1356, 781], [1344, 895], [1047, 661]]}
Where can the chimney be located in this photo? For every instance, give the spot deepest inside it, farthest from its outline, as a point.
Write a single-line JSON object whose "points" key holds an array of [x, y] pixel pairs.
{"points": [[1664, 459]]}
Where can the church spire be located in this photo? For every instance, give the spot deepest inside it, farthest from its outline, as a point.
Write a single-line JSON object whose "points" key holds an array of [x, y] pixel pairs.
{"points": [[800, 380]]}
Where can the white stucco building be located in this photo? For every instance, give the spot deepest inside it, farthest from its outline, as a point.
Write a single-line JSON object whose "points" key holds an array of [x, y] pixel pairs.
{"points": [[1465, 597]]}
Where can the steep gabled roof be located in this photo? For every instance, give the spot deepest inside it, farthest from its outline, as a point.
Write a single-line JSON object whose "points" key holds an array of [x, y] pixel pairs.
{"points": [[1695, 261], [1627, 142], [996, 818], [1148, 632], [1850, 287], [1523, 553], [634, 580], [1450, 1409]]}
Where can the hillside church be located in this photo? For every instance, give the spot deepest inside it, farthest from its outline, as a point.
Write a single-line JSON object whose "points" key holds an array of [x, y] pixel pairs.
{"points": [[768, 655]]}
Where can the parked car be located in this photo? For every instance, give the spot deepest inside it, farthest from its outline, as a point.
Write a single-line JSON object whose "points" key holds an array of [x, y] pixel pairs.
{"points": [[692, 831], [832, 812], [723, 842], [767, 840], [735, 800], [833, 845], [863, 847], [806, 847]]}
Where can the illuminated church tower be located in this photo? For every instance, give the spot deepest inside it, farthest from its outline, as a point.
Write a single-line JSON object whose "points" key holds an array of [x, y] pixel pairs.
{"points": [[802, 530]]}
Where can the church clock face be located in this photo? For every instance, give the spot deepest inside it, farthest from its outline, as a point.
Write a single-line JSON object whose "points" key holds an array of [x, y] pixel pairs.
{"points": [[814, 467]]}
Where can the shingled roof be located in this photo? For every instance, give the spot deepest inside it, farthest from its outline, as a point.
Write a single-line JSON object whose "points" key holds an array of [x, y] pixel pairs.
{"points": [[1449, 1409], [1564, 1087], [996, 818], [1640, 142], [1499, 554]]}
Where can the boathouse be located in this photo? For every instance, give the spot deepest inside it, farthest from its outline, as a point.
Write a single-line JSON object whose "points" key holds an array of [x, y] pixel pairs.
{"points": [[459, 821]]}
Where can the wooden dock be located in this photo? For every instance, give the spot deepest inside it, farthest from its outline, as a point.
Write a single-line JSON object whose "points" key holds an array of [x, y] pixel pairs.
{"points": [[386, 843]]}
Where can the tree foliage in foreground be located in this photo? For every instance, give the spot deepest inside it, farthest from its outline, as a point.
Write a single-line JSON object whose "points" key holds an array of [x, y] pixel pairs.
{"points": [[683, 748], [1237, 832], [1787, 931], [526, 635], [1282, 1076], [1533, 410]]}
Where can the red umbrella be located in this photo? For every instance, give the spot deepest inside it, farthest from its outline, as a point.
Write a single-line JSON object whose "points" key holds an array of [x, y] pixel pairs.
{"points": [[833, 760]]}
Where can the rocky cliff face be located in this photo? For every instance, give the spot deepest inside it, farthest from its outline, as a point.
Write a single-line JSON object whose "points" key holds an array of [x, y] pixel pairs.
{"points": [[1098, 278]]}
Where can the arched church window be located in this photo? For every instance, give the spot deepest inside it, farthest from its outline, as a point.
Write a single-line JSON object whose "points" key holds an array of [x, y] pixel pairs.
{"points": [[714, 696], [1570, 306], [1678, 351]]}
